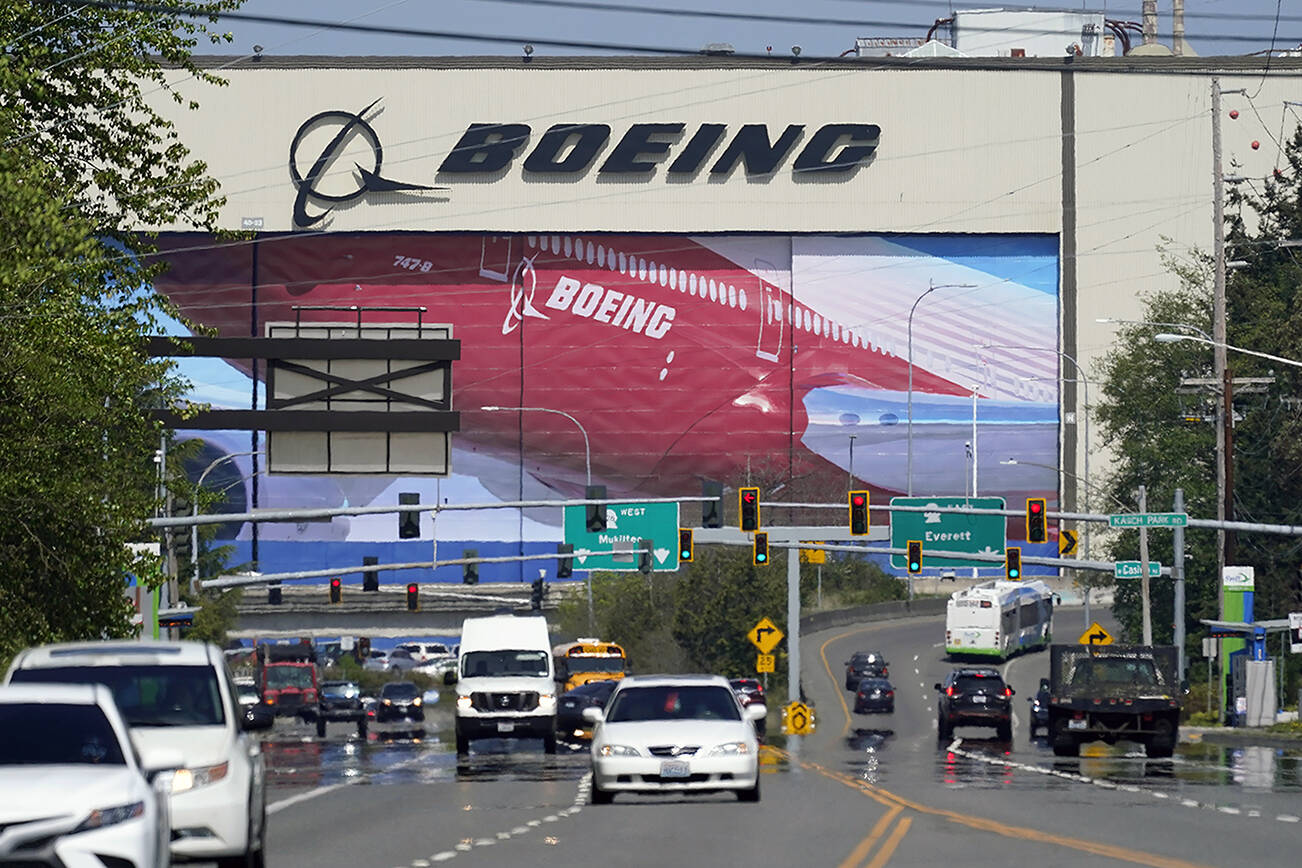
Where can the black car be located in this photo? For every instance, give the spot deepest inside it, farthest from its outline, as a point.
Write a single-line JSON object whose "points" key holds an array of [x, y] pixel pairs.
{"points": [[399, 701], [974, 696], [569, 710], [864, 664], [340, 701], [874, 694], [1040, 708], [749, 691]]}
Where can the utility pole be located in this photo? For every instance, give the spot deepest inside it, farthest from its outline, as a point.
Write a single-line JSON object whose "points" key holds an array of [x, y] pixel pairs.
{"points": [[1142, 498], [1177, 27], [1218, 327], [1148, 12], [1177, 576]]}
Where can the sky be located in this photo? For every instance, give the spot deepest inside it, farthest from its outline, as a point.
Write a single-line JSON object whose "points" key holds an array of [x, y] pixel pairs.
{"points": [[821, 28]]}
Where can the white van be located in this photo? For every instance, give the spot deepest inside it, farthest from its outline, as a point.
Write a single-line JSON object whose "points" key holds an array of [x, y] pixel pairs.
{"points": [[505, 681]]}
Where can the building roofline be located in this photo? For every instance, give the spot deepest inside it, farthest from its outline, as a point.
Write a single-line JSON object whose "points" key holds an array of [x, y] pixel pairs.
{"points": [[1165, 65]]}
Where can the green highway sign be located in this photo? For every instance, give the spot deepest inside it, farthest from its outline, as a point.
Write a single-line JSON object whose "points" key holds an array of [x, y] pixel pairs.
{"points": [[1150, 519], [1134, 569], [626, 523], [948, 531]]}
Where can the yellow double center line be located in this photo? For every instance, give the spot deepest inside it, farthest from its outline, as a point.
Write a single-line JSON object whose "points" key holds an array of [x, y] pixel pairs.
{"points": [[859, 853]]}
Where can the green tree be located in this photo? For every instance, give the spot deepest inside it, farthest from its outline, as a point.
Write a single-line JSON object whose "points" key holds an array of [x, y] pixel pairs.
{"points": [[84, 160], [1166, 440]]}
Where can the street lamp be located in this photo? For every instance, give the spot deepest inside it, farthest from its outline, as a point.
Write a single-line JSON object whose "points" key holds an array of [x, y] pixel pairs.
{"points": [[932, 287], [1167, 338], [194, 510], [587, 451], [587, 461]]}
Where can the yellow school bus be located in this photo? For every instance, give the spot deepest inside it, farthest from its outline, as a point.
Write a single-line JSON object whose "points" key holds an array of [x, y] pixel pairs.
{"points": [[588, 659]]}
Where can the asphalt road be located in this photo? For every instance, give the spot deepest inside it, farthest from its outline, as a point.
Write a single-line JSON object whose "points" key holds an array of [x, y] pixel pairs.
{"points": [[862, 790]]}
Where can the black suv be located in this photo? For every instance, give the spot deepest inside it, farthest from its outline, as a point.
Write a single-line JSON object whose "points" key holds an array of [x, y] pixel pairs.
{"points": [[400, 702], [974, 696], [864, 664], [340, 701]]}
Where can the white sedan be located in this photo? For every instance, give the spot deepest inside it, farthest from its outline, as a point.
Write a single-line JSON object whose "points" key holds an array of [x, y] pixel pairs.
{"points": [[71, 791], [672, 733]]}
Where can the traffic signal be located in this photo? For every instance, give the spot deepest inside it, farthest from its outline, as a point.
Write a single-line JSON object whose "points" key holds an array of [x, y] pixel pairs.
{"points": [[413, 597], [644, 556], [760, 549], [712, 510], [536, 597], [595, 513], [469, 571], [915, 556], [1035, 531], [748, 509], [273, 594], [370, 578], [1013, 563], [685, 550], [564, 564], [408, 522], [858, 513], [336, 590]]}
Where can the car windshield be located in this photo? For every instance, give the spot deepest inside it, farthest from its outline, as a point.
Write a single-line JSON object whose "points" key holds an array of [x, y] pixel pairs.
{"points": [[39, 734], [594, 664], [674, 702], [345, 690], [280, 677], [874, 684], [399, 690], [147, 695], [498, 663], [601, 689]]}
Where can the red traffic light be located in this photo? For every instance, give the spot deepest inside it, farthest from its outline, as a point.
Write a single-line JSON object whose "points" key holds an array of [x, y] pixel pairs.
{"points": [[1035, 506], [412, 588]]}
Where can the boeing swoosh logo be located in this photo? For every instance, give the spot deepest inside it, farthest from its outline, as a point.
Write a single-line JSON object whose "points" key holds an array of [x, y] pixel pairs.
{"points": [[350, 125], [524, 282]]}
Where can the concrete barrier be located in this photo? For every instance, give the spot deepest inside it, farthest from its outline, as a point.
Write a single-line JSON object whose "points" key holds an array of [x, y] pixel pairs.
{"points": [[816, 621]]}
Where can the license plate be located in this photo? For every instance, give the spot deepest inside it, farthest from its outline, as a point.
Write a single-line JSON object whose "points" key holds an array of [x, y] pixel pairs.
{"points": [[1076, 724], [673, 769], [979, 700], [504, 726]]}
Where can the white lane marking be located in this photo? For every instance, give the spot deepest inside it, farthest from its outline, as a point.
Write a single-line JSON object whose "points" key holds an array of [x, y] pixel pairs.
{"points": [[956, 748], [915, 657], [276, 807], [443, 855]]}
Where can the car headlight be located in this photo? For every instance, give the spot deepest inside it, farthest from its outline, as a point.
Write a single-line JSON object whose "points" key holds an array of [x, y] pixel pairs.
{"points": [[618, 750], [388, 701], [731, 748], [189, 779], [101, 817], [463, 701], [416, 701], [546, 698]]}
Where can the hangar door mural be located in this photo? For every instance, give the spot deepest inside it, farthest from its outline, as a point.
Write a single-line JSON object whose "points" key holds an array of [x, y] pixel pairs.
{"points": [[682, 357]]}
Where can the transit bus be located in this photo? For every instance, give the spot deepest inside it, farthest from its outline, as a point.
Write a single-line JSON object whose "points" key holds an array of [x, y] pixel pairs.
{"points": [[588, 659], [999, 618]]}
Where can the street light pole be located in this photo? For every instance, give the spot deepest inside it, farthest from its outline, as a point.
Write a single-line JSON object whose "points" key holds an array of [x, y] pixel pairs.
{"points": [[587, 462], [931, 287], [194, 509]]}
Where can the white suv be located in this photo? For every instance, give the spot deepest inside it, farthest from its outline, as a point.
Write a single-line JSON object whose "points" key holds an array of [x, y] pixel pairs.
{"points": [[179, 696]]}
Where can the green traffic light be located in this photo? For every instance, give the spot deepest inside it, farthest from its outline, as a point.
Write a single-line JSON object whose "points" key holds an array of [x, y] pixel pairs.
{"points": [[913, 565]]}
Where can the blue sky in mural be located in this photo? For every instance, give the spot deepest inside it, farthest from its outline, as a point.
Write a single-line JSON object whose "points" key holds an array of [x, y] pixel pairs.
{"points": [[1029, 260]]}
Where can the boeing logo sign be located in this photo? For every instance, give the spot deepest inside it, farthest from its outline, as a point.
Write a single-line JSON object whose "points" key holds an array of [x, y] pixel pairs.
{"points": [[566, 150], [348, 125]]}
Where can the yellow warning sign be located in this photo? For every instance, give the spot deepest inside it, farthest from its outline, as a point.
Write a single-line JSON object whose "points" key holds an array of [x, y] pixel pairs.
{"points": [[797, 719], [765, 636], [813, 556], [1066, 542], [765, 663], [1096, 635]]}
